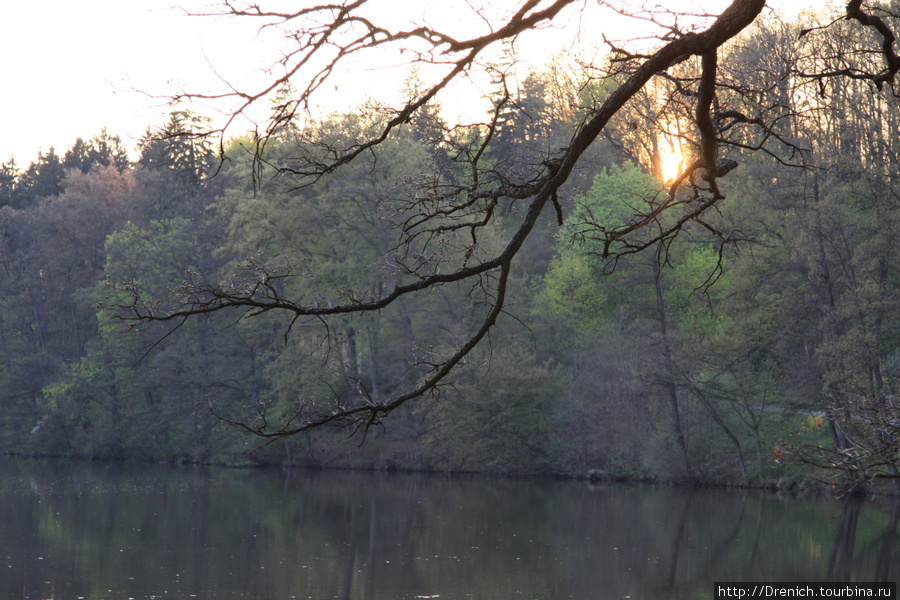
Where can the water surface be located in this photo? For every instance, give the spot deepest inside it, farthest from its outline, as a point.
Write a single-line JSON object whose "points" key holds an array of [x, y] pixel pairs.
{"points": [[108, 532]]}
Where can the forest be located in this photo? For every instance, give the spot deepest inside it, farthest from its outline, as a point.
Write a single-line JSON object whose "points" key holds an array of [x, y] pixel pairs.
{"points": [[759, 346]]}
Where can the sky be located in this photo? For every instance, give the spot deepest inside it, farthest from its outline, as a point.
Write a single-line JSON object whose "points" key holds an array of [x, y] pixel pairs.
{"points": [[73, 67]]}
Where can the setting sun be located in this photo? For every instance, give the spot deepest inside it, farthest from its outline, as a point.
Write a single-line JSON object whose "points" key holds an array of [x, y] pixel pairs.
{"points": [[671, 159]]}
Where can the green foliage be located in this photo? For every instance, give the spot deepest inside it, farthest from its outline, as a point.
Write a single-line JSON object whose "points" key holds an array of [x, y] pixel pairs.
{"points": [[495, 419], [10, 192], [179, 148], [579, 288], [616, 195], [42, 179], [696, 277], [574, 294], [725, 352]]}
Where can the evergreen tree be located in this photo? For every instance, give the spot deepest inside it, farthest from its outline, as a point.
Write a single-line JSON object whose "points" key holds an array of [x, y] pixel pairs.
{"points": [[77, 157], [10, 191], [43, 178], [180, 147]]}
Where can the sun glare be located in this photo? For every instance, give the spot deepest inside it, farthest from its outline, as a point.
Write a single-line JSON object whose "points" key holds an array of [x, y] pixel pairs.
{"points": [[671, 159]]}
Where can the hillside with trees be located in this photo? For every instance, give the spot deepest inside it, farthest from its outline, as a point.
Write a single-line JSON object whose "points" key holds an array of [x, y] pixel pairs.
{"points": [[357, 304]]}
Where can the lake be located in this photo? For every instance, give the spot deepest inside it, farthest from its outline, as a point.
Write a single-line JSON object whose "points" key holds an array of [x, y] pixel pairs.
{"points": [[71, 530]]}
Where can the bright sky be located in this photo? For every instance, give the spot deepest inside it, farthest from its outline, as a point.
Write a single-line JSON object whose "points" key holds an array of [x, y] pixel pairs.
{"points": [[72, 67]]}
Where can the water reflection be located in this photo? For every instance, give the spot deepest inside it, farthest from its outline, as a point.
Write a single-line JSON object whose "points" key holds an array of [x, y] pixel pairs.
{"points": [[107, 532]]}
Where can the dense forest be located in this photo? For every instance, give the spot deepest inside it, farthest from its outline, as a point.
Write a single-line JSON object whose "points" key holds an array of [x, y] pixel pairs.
{"points": [[759, 346]]}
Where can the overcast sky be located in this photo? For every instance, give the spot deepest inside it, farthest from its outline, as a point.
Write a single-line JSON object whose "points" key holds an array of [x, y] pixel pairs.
{"points": [[71, 67]]}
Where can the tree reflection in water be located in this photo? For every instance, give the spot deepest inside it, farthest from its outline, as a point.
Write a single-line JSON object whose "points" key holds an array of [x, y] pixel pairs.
{"points": [[107, 532]]}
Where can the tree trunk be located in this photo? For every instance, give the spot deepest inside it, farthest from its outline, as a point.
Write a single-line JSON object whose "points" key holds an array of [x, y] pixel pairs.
{"points": [[669, 383]]}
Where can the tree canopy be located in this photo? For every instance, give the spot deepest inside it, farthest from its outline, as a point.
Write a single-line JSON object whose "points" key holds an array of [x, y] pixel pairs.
{"points": [[543, 274], [438, 215]]}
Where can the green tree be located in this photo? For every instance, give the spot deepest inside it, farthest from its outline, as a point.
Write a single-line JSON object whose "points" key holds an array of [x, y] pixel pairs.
{"points": [[52, 256], [43, 178], [654, 296], [10, 193], [497, 418], [440, 220], [179, 147]]}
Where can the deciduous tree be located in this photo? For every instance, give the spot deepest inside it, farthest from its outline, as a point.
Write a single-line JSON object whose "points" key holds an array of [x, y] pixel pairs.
{"points": [[441, 218]]}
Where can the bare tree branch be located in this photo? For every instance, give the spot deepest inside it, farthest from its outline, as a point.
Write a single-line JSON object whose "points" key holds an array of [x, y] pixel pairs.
{"points": [[435, 213]]}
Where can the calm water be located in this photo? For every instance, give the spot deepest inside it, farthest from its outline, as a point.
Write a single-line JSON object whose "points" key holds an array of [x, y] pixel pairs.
{"points": [[74, 530]]}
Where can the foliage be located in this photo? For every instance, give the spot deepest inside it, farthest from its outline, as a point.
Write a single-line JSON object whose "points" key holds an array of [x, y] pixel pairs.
{"points": [[498, 422], [716, 328]]}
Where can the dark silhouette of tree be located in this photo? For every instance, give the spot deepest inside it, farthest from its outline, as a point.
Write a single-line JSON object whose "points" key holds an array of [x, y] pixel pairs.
{"points": [[10, 194], [43, 178], [103, 149], [440, 219], [179, 147]]}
